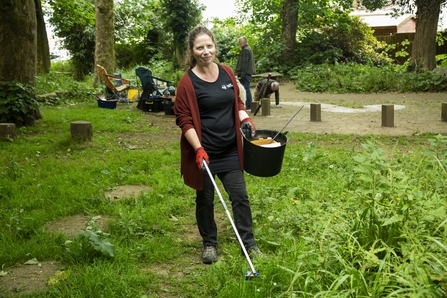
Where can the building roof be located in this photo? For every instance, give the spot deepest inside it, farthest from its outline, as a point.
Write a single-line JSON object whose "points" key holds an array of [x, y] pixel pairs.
{"points": [[382, 18]]}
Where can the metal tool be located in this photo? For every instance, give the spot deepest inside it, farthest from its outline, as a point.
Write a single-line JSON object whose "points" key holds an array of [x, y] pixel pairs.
{"points": [[286, 124], [248, 274]]}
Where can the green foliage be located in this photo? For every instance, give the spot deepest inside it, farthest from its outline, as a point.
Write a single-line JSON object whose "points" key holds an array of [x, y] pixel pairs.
{"points": [[156, 31], [403, 52], [62, 83], [268, 55], [74, 22], [439, 144], [141, 35], [137, 19], [226, 33], [338, 236], [356, 78], [441, 60], [347, 40], [89, 244], [180, 18], [386, 213], [326, 34], [140, 32], [439, 151], [17, 101], [263, 31], [427, 81]]}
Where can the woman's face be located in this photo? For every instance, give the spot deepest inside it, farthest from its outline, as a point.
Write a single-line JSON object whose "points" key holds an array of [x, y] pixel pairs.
{"points": [[204, 50]]}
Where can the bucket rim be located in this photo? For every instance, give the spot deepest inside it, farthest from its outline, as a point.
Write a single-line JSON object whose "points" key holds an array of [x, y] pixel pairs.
{"points": [[287, 134]]}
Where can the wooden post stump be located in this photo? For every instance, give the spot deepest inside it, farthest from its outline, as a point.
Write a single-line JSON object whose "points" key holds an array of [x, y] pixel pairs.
{"points": [[265, 102], [315, 112], [254, 106], [81, 130], [8, 130], [444, 112], [388, 115]]}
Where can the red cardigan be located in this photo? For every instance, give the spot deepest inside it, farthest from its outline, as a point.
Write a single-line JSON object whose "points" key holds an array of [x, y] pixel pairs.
{"points": [[187, 115]]}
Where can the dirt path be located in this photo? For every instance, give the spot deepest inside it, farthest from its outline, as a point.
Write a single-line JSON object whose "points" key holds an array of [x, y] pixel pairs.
{"points": [[345, 113]]}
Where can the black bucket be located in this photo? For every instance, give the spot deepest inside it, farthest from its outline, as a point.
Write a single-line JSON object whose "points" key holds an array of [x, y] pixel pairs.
{"points": [[168, 106], [264, 161]]}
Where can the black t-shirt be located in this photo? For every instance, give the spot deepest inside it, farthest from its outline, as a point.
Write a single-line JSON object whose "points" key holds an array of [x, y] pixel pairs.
{"points": [[216, 107]]}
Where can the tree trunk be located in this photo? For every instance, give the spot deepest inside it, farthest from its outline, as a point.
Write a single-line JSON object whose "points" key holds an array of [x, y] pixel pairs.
{"points": [[179, 56], [105, 38], [43, 49], [289, 26], [18, 41], [423, 53], [18, 48]]}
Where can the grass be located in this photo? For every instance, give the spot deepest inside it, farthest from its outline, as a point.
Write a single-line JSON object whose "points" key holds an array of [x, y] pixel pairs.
{"points": [[348, 216]]}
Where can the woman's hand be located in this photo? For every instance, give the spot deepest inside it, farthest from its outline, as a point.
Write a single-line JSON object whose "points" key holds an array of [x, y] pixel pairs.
{"points": [[200, 156], [248, 127]]}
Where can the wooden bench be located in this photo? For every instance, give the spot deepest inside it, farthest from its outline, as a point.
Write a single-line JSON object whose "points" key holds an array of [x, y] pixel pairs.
{"points": [[265, 75]]}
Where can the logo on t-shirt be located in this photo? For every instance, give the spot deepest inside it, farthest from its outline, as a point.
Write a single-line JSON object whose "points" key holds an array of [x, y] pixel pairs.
{"points": [[228, 86]]}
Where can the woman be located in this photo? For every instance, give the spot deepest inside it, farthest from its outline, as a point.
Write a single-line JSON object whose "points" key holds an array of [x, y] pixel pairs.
{"points": [[210, 114]]}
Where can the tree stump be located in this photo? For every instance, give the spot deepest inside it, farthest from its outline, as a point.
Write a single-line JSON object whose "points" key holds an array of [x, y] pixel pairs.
{"points": [[315, 112], [254, 106], [388, 115], [444, 112], [8, 130], [81, 130], [265, 106]]}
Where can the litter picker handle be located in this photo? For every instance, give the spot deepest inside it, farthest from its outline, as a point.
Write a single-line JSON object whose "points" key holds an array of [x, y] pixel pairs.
{"points": [[287, 124], [205, 165], [257, 109]]}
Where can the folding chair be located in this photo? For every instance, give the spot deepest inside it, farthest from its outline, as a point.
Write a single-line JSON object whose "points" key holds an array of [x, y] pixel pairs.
{"points": [[152, 85], [116, 91]]}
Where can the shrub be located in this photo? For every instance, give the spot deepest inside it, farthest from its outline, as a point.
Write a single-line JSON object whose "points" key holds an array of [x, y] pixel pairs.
{"points": [[357, 78], [17, 102]]}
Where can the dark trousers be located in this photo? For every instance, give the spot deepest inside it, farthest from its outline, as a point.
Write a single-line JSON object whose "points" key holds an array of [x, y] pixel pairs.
{"points": [[245, 81], [234, 184]]}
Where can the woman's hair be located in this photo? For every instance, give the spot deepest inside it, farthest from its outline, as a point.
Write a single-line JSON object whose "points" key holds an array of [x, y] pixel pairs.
{"points": [[190, 61]]}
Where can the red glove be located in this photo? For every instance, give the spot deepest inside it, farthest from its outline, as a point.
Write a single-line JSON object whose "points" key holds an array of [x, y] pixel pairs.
{"points": [[200, 156], [248, 127]]}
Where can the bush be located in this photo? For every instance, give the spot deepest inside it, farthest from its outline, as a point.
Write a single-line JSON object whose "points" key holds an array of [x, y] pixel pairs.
{"points": [[349, 40], [356, 78], [17, 102]]}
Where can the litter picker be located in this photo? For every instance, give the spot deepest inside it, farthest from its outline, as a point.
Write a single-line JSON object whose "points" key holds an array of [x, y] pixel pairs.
{"points": [[248, 274], [263, 93], [286, 124]]}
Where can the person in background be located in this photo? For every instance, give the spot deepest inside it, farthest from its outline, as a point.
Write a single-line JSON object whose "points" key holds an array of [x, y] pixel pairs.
{"points": [[210, 114], [246, 68], [271, 87]]}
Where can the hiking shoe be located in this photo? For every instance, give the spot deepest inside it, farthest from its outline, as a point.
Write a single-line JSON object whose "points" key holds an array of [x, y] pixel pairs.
{"points": [[209, 254], [279, 106], [254, 252]]}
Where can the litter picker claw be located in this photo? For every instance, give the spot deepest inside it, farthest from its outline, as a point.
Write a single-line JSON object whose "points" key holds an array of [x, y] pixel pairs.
{"points": [[248, 274]]}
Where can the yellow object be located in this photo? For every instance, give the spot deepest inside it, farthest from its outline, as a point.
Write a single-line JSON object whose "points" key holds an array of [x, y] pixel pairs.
{"points": [[262, 141], [133, 94]]}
